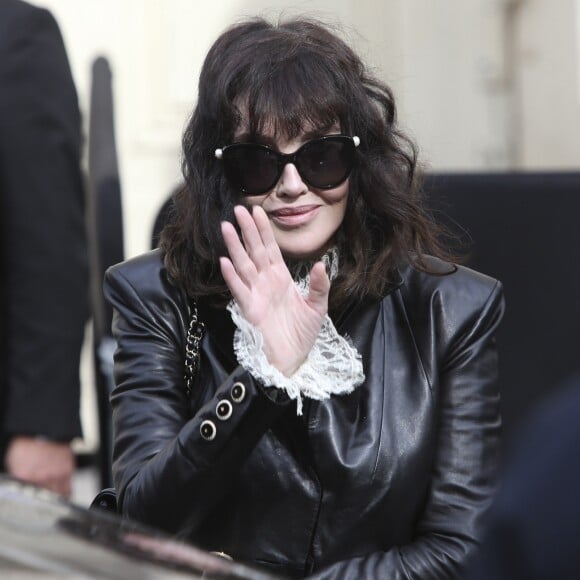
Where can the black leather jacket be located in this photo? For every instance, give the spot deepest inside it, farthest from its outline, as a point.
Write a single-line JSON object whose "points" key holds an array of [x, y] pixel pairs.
{"points": [[390, 481]]}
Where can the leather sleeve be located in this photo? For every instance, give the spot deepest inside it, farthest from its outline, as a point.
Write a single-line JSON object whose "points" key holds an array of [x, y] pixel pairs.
{"points": [[166, 473], [44, 277], [465, 468]]}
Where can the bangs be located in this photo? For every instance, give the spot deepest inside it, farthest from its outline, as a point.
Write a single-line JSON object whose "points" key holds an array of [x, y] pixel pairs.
{"points": [[287, 98]]}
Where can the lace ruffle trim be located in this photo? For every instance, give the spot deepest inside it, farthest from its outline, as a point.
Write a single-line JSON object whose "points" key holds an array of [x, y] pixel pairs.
{"points": [[333, 366]]}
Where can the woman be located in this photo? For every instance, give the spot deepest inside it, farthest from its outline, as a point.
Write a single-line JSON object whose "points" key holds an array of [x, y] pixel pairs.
{"points": [[343, 419]]}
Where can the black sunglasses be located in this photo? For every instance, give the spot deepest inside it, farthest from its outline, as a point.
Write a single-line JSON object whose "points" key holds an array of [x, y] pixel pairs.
{"points": [[322, 163]]}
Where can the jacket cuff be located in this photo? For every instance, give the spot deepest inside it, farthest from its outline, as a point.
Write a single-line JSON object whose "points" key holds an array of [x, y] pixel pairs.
{"points": [[233, 420]]}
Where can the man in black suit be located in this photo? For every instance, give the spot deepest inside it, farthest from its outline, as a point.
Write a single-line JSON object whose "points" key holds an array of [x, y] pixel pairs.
{"points": [[43, 254]]}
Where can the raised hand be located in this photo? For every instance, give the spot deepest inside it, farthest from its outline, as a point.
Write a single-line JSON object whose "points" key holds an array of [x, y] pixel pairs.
{"points": [[260, 282]]}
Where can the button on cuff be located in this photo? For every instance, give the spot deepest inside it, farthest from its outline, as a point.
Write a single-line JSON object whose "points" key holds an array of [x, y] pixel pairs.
{"points": [[208, 430], [224, 410], [238, 392]]}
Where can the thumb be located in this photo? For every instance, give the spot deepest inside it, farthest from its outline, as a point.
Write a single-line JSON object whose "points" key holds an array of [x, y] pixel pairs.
{"points": [[319, 288]]}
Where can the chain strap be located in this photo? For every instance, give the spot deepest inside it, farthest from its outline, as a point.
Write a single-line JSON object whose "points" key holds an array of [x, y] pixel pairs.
{"points": [[194, 336]]}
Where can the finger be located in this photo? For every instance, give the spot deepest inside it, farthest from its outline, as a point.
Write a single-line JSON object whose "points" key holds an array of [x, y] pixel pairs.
{"points": [[267, 234], [251, 237], [239, 290], [244, 266], [319, 288]]}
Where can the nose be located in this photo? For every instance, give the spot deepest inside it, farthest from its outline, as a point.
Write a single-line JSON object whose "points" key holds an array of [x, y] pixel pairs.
{"points": [[290, 183]]}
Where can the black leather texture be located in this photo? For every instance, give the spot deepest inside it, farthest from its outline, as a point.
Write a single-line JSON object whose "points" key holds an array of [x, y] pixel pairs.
{"points": [[391, 481]]}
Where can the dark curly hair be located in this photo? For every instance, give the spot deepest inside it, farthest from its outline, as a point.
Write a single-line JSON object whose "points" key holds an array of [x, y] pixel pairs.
{"points": [[290, 76]]}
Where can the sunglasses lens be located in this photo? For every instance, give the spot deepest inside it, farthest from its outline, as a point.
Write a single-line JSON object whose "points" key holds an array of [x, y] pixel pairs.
{"points": [[253, 169], [326, 163]]}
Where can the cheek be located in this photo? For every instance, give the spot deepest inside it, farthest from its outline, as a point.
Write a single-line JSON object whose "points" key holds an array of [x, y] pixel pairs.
{"points": [[337, 199], [340, 212], [336, 196], [336, 204]]}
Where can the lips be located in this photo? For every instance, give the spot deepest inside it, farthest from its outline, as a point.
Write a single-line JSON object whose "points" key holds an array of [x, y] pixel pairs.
{"points": [[288, 211], [294, 216]]}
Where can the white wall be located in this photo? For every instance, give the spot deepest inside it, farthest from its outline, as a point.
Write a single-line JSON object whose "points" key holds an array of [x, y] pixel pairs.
{"points": [[549, 83], [452, 95]]}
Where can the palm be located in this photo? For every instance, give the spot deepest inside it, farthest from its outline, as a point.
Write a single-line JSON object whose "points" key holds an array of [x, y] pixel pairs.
{"points": [[268, 298]]}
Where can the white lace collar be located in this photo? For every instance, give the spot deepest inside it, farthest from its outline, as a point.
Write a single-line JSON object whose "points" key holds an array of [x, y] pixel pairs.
{"points": [[300, 270]]}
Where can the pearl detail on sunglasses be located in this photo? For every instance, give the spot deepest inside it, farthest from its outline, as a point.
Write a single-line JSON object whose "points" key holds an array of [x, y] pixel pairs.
{"points": [[219, 153]]}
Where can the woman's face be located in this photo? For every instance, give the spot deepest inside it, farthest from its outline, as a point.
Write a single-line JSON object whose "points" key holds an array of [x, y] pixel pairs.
{"points": [[305, 220]]}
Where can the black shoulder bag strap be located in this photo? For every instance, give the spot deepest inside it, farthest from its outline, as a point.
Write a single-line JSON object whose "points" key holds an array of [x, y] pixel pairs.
{"points": [[194, 335]]}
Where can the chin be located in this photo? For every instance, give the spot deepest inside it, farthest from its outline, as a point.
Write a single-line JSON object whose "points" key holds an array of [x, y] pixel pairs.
{"points": [[305, 253], [301, 256]]}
